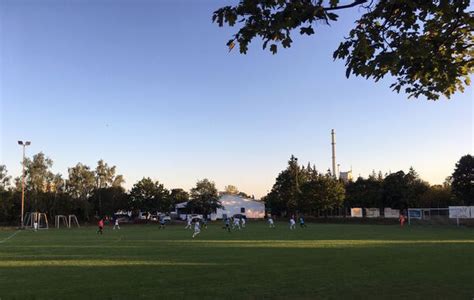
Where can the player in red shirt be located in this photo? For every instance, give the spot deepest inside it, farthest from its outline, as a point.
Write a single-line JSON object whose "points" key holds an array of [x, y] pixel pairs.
{"points": [[101, 226], [402, 220]]}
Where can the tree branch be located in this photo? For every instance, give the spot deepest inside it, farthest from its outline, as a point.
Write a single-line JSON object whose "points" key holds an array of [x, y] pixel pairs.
{"points": [[355, 3]]}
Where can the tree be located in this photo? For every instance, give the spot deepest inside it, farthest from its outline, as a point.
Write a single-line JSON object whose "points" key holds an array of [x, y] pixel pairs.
{"points": [[178, 196], [204, 198], [285, 194], [38, 173], [149, 196], [463, 180], [324, 192], [109, 200], [231, 190], [395, 191], [80, 185], [438, 195], [415, 188], [364, 193], [4, 178], [427, 46], [105, 176]]}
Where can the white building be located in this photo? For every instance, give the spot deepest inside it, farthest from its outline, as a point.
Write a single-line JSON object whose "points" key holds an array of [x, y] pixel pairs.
{"points": [[346, 176], [234, 204]]}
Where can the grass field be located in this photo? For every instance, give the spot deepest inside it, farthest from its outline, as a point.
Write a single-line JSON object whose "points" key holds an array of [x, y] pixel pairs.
{"points": [[321, 261]]}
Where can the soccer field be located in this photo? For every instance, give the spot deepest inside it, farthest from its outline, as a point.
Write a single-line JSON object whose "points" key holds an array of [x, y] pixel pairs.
{"points": [[321, 261]]}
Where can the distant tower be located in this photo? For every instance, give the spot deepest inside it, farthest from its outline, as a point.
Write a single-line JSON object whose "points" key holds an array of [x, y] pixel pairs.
{"points": [[333, 143]]}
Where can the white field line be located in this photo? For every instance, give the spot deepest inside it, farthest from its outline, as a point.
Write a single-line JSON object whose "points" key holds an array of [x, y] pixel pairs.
{"points": [[9, 237]]}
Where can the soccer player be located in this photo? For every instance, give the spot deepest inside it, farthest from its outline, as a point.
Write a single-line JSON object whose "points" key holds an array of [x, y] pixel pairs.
{"points": [[243, 222], [204, 222], [116, 224], [302, 224], [162, 222], [270, 222], [236, 223], [402, 220], [35, 223], [188, 226], [292, 223], [197, 229], [227, 224], [101, 226]]}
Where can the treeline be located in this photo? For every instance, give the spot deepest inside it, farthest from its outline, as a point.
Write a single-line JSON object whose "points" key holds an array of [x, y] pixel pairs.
{"points": [[91, 192], [302, 189]]}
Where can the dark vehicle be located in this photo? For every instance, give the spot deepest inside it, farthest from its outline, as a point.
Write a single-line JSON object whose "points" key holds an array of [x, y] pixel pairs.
{"points": [[239, 216]]}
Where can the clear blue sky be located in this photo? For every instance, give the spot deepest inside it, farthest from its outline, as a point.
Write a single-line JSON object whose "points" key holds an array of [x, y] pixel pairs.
{"points": [[150, 87]]}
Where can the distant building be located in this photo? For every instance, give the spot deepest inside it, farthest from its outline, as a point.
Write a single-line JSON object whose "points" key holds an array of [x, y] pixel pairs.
{"points": [[232, 205], [235, 204], [346, 176]]}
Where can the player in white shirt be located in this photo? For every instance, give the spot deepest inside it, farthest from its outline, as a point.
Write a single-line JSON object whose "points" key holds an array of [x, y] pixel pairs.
{"points": [[197, 229], [236, 223], [292, 223], [188, 225], [116, 224], [242, 221], [270, 222]]}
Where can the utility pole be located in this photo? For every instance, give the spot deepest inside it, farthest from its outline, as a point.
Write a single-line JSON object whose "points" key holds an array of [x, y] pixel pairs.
{"points": [[333, 143], [26, 143]]}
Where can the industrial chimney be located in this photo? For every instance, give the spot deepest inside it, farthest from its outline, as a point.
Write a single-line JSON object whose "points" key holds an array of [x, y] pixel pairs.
{"points": [[333, 143]]}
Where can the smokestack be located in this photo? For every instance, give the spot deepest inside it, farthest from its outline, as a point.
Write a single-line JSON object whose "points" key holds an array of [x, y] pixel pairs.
{"points": [[333, 143]]}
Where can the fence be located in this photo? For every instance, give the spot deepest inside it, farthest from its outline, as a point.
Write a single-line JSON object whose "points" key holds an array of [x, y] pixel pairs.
{"points": [[451, 215]]}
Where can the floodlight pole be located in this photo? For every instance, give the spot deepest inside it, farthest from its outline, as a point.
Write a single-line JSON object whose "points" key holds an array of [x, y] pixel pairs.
{"points": [[23, 181]]}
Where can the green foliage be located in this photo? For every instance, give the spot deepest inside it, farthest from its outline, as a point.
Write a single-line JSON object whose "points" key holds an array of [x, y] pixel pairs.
{"points": [[38, 173], [364, 193], [304, 190], [178, 196], [149, 196], [10, 207], [285, 193], [204, 198], [322, 193], [4, 178], [80, 186], [463, 180], [105, 176], [427, 46], [437, 196], [107, 201], [231, 189]]}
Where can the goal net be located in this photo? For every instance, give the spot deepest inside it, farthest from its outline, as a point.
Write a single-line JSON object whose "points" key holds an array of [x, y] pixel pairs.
{"points": [[36, 220], [430, 216], [61, 220]]}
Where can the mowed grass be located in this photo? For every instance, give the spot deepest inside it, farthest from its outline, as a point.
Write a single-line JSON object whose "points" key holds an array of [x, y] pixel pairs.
{"points": [[321, 261]]}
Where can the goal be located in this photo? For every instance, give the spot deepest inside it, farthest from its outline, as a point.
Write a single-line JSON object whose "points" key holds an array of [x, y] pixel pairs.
{"points": [[73, 221], [36, 220], [61, 219], [68, 221], [430, 216]]}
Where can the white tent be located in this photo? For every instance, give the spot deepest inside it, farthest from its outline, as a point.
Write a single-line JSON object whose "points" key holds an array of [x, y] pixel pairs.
{"points": [[234, 204]]}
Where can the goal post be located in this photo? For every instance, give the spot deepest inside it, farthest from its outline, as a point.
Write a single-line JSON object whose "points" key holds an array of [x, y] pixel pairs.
{"points": [[36, 220], [430, 216], [73, 221], [61, 219]]}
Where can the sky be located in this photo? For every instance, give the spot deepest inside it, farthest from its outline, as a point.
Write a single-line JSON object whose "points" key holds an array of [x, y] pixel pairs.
{"points": [[150, 86]]}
